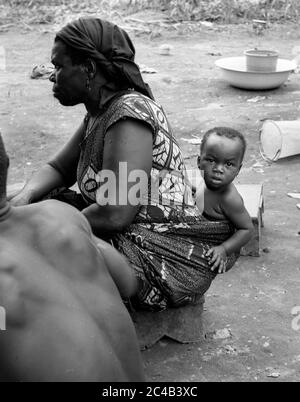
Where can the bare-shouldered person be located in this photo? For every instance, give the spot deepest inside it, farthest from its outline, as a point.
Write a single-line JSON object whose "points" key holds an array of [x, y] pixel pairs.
{"points": [[65, 319], [221, 156]]}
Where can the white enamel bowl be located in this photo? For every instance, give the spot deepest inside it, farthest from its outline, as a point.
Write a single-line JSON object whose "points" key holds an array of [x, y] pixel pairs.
{"points": [[234, 71]]}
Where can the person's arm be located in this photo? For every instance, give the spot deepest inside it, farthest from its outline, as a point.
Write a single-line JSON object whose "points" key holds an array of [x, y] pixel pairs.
{"points": [[42, 182], [120, 271], [61, 171], [127, 141], [235, 211]]}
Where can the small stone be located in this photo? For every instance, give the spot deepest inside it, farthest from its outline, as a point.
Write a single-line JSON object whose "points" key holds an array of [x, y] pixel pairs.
{"points": [[165, 49], [273, 375], [296, 359], [222, 333], [206, 358], [162, 344], [230, 350]]}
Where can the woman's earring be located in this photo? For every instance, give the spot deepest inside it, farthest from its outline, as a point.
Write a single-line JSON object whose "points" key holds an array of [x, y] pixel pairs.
{"points": [[87, 84]]}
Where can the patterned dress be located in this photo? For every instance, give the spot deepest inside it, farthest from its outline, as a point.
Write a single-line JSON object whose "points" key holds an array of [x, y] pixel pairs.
{"points": [[167, 241]]}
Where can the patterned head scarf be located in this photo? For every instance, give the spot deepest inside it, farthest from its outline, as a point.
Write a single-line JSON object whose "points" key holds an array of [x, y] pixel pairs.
{"points": [[111, 48]]}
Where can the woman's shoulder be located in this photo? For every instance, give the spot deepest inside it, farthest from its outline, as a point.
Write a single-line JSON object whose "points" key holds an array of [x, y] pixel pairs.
{"points": [[136, 106], [135, 99]]}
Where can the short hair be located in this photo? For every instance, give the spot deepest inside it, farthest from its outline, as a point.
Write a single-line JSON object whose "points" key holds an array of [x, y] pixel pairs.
{"points": [[3, 168], [225, 132]]}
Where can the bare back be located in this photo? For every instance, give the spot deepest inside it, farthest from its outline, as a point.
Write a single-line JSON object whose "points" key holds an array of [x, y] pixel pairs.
{"points": [[53, 276]]}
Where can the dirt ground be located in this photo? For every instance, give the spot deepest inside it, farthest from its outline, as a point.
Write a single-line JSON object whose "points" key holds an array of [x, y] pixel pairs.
{"points": [[254, 300]]}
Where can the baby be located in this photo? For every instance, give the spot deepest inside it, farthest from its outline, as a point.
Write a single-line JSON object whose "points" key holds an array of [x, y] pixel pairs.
{"points": [[221, 154]]}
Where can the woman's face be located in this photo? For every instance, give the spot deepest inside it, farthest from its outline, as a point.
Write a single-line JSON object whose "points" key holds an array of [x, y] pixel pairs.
{"points": [[69, 80]]}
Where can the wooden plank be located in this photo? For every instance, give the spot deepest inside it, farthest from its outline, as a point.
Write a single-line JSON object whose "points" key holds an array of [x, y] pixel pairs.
{"points": [[252, 195]]}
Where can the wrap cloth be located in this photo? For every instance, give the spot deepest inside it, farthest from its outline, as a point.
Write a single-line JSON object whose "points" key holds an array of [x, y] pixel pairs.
{"points": [[169, 260], [111, 49]]}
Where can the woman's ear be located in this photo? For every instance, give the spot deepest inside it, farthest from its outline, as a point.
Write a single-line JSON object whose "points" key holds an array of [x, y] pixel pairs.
{"points": [[90, 68]]}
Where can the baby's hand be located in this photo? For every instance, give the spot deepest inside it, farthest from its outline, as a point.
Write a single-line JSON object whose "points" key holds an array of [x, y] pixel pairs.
{"points": [[217, 258]]}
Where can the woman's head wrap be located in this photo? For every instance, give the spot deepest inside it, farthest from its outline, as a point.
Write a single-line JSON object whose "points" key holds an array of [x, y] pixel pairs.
{"points": [[111, 48]]}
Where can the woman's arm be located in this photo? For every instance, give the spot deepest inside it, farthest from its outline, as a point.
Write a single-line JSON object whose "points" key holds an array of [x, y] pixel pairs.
{"points": [[38, 186], [128, 141], [119, 269], [61, 171]]}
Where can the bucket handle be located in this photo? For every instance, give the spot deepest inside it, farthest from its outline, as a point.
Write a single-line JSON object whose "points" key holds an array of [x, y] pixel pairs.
{"points": [[263, 154]]}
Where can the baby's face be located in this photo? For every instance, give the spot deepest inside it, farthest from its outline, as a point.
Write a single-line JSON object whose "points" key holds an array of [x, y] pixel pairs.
{"points": [[220, 161]]}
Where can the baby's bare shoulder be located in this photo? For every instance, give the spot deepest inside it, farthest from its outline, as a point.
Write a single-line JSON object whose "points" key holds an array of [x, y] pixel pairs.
{"points": [[232, 198]]}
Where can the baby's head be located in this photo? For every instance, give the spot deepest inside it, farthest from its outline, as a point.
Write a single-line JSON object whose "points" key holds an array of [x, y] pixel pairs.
{"points": [[221, 155]]}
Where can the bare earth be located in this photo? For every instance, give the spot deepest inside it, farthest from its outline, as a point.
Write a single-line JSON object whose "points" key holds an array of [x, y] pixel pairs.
{"points": [[254, 300]]}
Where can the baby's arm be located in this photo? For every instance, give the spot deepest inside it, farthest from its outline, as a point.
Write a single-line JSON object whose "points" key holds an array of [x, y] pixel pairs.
{"points": [[235, 211]]}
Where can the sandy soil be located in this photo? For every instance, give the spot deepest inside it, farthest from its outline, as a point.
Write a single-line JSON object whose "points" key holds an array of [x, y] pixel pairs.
{"points": [[254, 300]]}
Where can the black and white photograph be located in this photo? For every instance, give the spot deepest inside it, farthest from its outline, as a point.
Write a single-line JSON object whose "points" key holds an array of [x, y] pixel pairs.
{"points": [[149, 194]]}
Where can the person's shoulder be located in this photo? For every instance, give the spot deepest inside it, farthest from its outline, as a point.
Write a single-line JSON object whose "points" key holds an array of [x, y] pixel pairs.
{"points": [[136, 97], [231, 198], [60, 213], [134, 105], [52, 205], [137, 103], [63, 223]]}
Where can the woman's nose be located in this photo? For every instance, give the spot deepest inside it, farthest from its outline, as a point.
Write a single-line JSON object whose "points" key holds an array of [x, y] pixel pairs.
{"points": [[52, 77]]}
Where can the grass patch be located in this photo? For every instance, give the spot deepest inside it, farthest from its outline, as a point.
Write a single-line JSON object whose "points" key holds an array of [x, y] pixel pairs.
{"points": [[222, 11]]}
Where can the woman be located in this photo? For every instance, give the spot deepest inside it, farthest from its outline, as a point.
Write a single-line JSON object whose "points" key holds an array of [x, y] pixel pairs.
{"points": [[157, 228]]}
